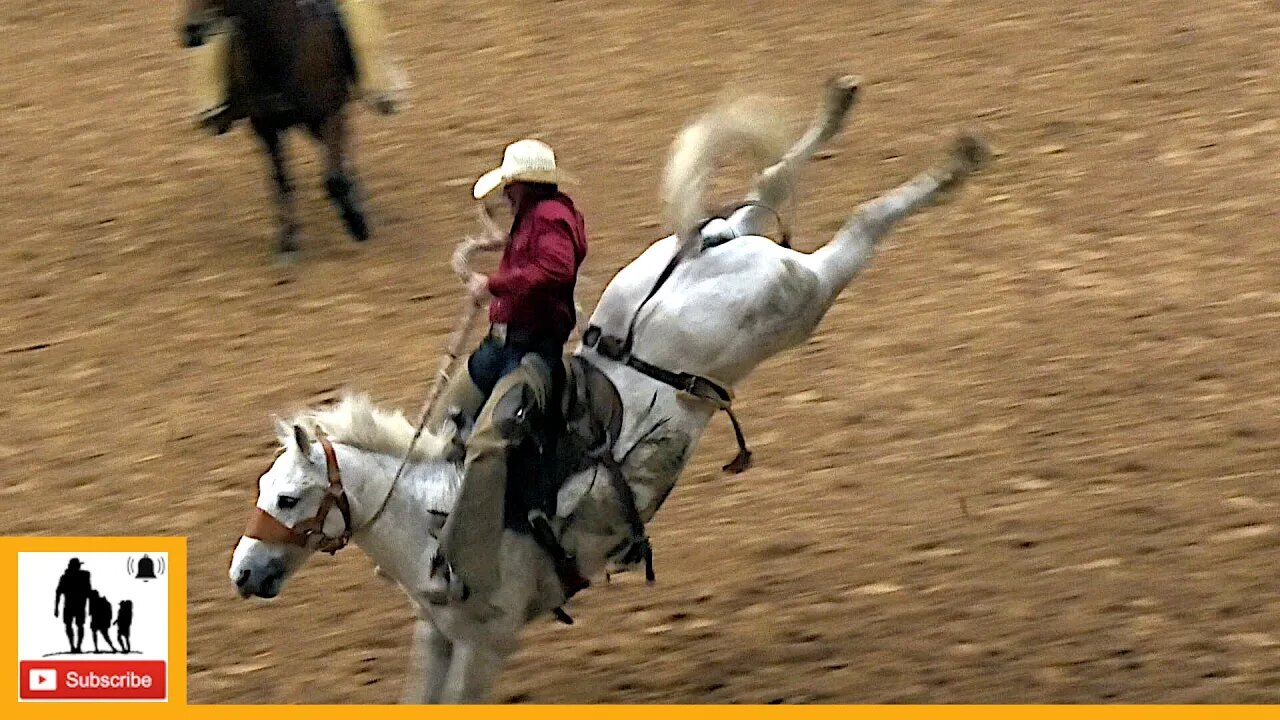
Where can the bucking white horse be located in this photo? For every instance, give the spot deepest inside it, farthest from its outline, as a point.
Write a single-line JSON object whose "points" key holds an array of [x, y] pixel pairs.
{"points": [[700, 310]]}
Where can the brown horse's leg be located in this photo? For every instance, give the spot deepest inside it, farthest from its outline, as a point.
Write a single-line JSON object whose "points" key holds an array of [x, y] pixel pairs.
{"points": [[338, 180], [272, 139]]}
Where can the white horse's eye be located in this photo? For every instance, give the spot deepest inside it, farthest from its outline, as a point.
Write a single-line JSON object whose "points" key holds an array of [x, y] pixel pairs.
{"points": [[286, 502]]}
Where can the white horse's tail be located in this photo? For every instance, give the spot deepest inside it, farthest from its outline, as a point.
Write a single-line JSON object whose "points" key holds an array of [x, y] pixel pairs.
{"points": [[750, 124]]}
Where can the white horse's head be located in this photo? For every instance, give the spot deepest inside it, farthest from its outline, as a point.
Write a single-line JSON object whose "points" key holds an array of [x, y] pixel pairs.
{"points": [[303, 503], [292, 518]]}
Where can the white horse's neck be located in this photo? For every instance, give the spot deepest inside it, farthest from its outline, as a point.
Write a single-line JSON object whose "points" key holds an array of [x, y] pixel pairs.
{"points": [[395, 530]]}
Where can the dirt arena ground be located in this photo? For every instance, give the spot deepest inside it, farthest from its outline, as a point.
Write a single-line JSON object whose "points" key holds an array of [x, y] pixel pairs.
{"points": [[1030, 456]]}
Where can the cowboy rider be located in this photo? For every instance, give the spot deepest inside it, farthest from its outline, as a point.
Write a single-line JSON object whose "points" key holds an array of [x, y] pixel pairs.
{"points": [[511, 373]]}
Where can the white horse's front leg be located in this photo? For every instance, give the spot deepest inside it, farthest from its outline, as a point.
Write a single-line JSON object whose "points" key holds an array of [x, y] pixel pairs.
{"points": [[777, 182], [429, 664], [472, 672]]}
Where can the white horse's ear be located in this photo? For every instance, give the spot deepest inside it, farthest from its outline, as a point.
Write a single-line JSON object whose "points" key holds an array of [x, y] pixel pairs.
{"points": [[283, 430], [301, 439]]}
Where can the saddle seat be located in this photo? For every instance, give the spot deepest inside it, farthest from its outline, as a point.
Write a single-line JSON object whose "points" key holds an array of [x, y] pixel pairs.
{"points": [[573, 436], [577, 434]]}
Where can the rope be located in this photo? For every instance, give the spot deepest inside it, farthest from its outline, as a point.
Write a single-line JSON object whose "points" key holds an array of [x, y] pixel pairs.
{"points": [[491, 239]]}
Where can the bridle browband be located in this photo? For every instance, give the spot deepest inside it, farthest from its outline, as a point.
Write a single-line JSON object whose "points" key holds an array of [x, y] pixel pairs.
{"points": [[265, 527]]}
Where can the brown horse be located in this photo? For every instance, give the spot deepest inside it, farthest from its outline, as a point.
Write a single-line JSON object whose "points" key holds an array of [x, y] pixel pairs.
{"points": [[290, 65]]}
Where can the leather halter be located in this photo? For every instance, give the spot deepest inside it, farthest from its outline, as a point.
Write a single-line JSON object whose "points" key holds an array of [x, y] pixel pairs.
{"points": [[265, 527]]}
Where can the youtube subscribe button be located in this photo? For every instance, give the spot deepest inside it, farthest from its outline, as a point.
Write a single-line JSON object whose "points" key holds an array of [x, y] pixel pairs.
{"points": [[92, 680]]}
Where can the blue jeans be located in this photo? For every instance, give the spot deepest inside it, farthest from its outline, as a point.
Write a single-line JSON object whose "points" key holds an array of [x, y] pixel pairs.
{"points": [[493, 360]]}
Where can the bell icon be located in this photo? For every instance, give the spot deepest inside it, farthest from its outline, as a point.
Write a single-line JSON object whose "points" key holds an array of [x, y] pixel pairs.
{"points": [[146, 569]]}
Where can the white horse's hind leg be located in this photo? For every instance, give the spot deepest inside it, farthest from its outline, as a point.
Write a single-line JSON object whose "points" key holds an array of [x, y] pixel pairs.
{"points": [[429, 664], [777, 181], [839, 260], [472, 672]]}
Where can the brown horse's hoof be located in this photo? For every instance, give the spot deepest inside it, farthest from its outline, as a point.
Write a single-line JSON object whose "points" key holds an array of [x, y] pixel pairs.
{"points": [[216, 121], [287, 248], [359, 227], [386, 106], [346, 197]]}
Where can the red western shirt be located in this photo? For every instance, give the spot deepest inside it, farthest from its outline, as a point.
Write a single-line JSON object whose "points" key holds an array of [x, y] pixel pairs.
{"points": [[533, 287]]}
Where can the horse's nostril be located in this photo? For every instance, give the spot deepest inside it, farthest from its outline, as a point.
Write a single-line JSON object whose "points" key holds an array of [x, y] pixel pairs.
{"points": [[243, 579]]}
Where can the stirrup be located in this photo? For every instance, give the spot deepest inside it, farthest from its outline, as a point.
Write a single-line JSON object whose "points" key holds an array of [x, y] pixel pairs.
{"points": [[566, 565], [445, 587], [456, 450]]}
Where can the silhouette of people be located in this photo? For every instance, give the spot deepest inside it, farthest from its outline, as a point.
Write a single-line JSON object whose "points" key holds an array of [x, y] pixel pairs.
{"points": [[100, 619], [124, 621], [73, 595]]}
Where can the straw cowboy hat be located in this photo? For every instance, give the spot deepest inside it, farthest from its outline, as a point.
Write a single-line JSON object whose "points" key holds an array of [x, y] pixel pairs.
{"points": [[523, 161]]}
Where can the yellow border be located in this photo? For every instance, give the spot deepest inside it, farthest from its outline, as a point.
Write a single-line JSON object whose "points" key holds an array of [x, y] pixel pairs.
{"points": [[738, 712], [707, 712], [177, 705]]}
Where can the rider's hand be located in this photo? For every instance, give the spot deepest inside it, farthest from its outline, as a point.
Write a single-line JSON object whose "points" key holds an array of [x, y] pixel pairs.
{"points": [[478, 288]]}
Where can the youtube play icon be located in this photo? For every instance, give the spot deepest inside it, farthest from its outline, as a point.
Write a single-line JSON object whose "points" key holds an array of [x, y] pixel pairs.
{"points": [[42, 679]]}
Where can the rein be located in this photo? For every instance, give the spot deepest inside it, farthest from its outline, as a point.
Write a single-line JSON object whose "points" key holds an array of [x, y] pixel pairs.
{"points": [[265, 527]]}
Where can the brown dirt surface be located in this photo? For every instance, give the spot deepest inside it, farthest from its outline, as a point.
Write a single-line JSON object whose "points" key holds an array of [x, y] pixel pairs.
{"points": [[1030, 456]]}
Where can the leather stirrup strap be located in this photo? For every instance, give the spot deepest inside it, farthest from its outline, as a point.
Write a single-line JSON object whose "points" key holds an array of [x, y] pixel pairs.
{"points": [[639, 548], [742, 460]]}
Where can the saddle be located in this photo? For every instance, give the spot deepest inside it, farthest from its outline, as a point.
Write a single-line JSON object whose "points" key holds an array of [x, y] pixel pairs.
{"points": [[573, 435], [577, 433]]}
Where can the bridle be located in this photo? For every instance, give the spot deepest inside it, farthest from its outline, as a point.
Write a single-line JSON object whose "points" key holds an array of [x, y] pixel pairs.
{"points": [[265, 527]]}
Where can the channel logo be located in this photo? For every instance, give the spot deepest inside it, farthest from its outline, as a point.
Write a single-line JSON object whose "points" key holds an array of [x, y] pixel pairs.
{"points": [[94, 680], [104, 636]]}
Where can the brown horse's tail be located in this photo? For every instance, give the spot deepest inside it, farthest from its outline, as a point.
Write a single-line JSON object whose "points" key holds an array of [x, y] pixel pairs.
{"points": [[346, 49]]}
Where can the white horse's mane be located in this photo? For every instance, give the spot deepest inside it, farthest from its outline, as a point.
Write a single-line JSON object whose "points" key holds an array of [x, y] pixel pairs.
{"points": [[355, 420]]}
